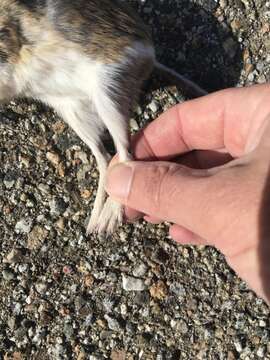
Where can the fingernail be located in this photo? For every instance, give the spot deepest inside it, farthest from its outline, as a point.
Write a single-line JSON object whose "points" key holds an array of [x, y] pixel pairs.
{"points": [[119, 180], [131, 215]]}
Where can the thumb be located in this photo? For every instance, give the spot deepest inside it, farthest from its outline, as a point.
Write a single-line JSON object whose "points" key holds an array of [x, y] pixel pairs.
{"points": [[187, 197]]}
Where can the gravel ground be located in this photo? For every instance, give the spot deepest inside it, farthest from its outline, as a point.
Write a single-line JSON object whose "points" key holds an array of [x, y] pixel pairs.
{"points": [[136, 295]]}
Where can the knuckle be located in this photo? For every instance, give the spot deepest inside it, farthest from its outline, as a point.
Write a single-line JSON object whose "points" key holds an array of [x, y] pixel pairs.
{"points": [[165, 189]]}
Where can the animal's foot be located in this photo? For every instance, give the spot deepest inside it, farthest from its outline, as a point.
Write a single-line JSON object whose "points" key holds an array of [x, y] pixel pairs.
{"points": [[110, 218], [92, 225], [94, 219]]}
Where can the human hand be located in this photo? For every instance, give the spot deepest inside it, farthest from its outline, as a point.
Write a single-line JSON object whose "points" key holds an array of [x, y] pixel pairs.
{"points": [[219, 194]]}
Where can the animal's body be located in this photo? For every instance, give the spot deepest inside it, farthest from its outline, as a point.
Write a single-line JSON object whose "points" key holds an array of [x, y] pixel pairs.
{"points": [[87, 59]]}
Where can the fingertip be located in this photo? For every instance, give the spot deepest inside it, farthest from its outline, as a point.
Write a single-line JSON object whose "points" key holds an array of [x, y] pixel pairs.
{"points": [[118, 180], [132, 215]]}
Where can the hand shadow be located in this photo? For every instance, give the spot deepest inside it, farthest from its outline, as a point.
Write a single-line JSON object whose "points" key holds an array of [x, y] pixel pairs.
{"points": [[189, 39]]}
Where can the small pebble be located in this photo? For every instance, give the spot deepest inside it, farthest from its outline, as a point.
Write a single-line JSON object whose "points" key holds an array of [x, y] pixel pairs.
{"points": [[14, 256], [41, 287], [133, 125], [261, 79], [67, 269], [251, 77], [53, 158], [223, 3], [153, 106], [260, 66], [140, 270], [36, 237], [113, 324], [130, 283], [9, 183], [8, 275], [238, 346], [159, 290], [23, 226], [261, 352]]}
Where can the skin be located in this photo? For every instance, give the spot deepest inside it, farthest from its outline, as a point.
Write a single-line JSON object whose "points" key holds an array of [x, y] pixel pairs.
{"points": [[204, 167]]}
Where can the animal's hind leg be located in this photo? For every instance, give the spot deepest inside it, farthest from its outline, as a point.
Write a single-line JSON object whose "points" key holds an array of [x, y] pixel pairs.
{"points": [[86, 123], [102, 158], [114, 105], [112, 213]]}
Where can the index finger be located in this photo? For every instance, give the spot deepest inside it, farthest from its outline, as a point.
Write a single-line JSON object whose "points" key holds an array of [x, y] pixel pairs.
{"points": [[226, 119]]}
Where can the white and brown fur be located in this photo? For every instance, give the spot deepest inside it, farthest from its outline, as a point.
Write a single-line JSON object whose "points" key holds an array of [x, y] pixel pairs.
{"points": [[85, 58]]}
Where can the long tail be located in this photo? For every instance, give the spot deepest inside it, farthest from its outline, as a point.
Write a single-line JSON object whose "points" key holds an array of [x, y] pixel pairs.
{"points": [[187, 85]]}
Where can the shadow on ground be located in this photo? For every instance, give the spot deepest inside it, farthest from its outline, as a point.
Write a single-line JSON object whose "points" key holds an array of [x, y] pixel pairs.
{"points": [[189, 39]]}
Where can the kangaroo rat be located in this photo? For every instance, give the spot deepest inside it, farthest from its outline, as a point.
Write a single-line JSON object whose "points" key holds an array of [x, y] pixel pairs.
{"points": [[87, 59]]}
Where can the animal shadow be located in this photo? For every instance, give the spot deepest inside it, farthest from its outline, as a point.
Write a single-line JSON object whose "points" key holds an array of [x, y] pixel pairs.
{"points": [[190, 39]]}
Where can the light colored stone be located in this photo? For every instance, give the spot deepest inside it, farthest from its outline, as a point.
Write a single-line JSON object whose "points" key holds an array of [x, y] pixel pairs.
{"points": [[130, 283], [23, 226]]}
